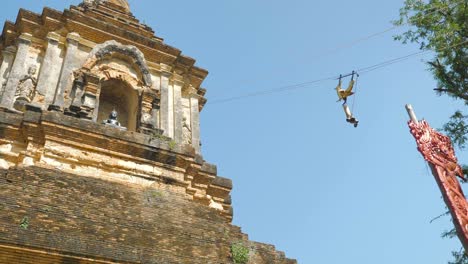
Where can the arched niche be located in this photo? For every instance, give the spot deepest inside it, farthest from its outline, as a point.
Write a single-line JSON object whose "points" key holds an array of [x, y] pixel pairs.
{"points": [[116, 76], [114, 49], [118, 95]]}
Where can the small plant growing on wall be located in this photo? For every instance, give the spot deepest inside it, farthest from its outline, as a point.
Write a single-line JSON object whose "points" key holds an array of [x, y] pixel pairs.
{"points": [[24, 223], [240, 253], [158, 135], [172, 144], [152, 195]]}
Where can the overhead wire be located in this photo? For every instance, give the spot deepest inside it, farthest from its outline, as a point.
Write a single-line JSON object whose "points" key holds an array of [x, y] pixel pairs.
{"points": [[363, 70], [390, 62], [403, 58], [353, 42], [274, 90], [376, 34], [372, 35], [346, 45]]}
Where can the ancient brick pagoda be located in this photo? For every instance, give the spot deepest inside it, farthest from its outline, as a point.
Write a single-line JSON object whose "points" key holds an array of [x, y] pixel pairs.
{"points": [[100, 158]]}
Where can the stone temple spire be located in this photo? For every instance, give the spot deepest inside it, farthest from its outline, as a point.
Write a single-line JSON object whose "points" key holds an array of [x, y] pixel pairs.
{"points": [[121, 3]]}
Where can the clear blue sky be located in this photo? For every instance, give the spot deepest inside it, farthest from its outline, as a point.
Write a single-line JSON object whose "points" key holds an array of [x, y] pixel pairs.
{"points": [[304, 179]]}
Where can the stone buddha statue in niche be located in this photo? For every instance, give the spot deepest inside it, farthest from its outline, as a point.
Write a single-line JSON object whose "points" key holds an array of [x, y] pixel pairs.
{"points": [[113, 121]]}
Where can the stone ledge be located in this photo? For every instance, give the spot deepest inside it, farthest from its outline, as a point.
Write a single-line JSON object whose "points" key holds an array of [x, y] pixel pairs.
{"points": [[10, 118], [54, 140], [222, 182], [133, 137], [209, 168]]}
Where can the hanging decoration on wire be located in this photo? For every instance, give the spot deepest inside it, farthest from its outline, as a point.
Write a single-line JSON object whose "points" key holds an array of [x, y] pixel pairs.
{"points": [[344, 94]]}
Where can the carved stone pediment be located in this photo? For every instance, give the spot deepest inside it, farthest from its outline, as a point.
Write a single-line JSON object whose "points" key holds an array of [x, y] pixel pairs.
{"points": [[126, 52], [106, 72]]}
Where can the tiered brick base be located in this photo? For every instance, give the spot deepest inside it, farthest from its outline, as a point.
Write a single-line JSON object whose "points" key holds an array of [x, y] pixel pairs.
{"points": [[73, 219]]}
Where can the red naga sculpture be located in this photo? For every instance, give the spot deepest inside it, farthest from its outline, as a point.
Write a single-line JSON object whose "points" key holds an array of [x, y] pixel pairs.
{"points": [[437, 149]]}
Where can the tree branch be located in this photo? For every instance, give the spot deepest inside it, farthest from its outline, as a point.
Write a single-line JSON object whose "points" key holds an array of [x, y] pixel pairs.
{"points": [[443, 90]]}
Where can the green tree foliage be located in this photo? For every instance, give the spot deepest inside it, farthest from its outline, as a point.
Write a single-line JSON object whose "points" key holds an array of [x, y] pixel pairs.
{"points": [[441, 26], [459, 257], [457, 129]]}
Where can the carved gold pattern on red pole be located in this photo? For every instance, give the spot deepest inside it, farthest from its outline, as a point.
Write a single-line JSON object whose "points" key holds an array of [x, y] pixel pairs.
{"points": [[437, 149]]}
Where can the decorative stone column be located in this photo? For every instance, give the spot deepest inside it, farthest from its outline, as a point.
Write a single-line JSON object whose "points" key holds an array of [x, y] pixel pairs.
{"points": [[178, 112], [149, 110], [77, 93], [87, 87], [92, 88], [195, 114], [166, 104], [18, 69], [69, 64], [50, 70], [155, 113], [8, 56]]}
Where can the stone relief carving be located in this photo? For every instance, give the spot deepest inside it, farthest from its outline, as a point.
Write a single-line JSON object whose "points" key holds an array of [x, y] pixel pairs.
{"points": [[26, 89], [187, 132], [4, 83]]}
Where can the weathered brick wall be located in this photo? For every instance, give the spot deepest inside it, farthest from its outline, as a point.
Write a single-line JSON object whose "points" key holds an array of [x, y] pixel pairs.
{"points": [[91, 218]]}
